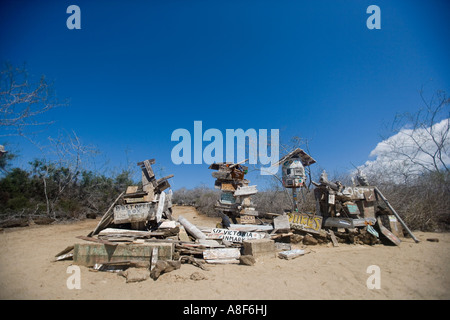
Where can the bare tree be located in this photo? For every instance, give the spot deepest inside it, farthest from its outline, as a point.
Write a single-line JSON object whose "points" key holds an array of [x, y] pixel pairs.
{"points": [[22, 101], [419, 142], [428, 134], [62, 171]]}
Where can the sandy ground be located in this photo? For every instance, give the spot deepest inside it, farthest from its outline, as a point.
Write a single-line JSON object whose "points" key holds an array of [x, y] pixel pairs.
{"points": [[410, 271]]}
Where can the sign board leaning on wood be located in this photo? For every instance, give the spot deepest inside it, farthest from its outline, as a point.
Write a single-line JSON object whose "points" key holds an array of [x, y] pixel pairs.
{"points": [[307, 222]]}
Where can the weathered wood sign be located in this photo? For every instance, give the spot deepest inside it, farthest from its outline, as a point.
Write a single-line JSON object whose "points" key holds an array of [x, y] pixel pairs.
{"points": [[133, 212], [360, 193], [234, 235], [159, 211], [227, 198], [306, 222], [223, 253], [245, 191], [248, 219]]}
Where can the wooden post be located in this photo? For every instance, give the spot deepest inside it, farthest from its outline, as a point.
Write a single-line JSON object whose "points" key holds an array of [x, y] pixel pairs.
{"points": [[294, 198], [154, 258], [106, 219]]}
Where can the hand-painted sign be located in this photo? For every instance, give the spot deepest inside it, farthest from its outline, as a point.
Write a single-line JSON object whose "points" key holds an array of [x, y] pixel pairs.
{"points": [[133, 212], [227, 198], [234, 235], [306, 222]]}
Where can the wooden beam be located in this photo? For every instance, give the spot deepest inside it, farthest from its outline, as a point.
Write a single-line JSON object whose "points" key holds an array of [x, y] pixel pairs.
{"points": [[107, 218], [333, 238]]}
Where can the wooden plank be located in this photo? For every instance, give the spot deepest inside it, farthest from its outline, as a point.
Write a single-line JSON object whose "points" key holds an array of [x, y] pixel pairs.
{"points": [[150, 190], [221, 253], [396, 214], [131, 189], [251, 227], [150, 175], [163, 185], [107, 218], [226, 207], [245, 219], [222, 261], [182, 235], [369, 195], [274, 236], [64, 256], [169, 197], [291, 254], [369, 209], [333, 238], [167, 224], [154, 258], [245, 191], [66, 250], [135, 194], [226, 186], [389, 235], [396, 227], [160, 209], [111, 232], [161, 180], [250, 212], [96, 240], [134, 200], [88, 254], [150, 161]]}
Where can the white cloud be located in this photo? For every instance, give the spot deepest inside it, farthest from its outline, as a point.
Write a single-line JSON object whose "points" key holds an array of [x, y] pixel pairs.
{"points": [[410, 152]]}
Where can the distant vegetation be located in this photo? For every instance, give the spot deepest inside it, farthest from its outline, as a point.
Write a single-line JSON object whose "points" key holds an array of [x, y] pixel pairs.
{"points": [[423, 204], [411, 169], [53, 191]]}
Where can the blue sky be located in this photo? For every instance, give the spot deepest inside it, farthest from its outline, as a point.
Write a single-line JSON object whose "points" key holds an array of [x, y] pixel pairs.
{"points": [[138, 70]]}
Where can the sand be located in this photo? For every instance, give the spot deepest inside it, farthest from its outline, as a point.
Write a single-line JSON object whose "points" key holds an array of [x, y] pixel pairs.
{"points": [[410, 271]]}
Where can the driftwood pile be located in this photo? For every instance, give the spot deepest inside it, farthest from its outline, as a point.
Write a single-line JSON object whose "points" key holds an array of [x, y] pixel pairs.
{"points": [[361, 209], [138, 237], [235, 198]]}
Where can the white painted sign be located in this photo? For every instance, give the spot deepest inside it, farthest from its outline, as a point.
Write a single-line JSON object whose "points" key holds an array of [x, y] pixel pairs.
{"points": [[245, 191], [132, 212], [227, 198], [159, 211], [234, 235]]}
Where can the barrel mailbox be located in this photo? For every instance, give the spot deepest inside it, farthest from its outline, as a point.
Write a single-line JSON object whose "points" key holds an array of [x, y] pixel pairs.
{"points": [[293, 173], [293, 168]]}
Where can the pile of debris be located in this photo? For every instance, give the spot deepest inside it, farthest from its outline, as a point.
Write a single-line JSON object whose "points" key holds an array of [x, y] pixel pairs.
{"points": [[139, 238], [235, 198], [358, 209]]}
